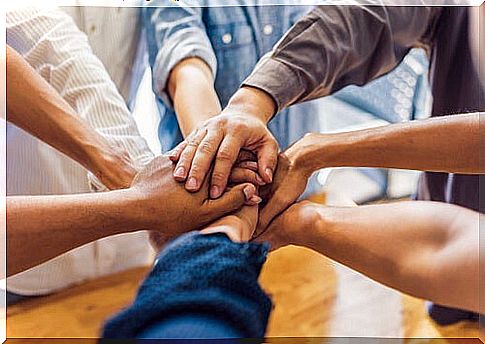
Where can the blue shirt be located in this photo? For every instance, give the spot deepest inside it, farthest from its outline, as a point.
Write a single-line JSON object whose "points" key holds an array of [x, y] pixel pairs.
{"points": [[231, 40]]}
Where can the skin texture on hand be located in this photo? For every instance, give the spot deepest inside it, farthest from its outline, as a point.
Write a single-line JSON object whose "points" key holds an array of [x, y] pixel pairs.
{"points": [[290, 181], [220, 140], [291, 227], [167, 206], [114, 168], [239, 227]]}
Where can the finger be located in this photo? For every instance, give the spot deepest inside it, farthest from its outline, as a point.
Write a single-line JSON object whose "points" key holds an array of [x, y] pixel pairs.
{"points": [[246, 155], [267, 160], [250, 165], [271, 210], [249, 216], [232, 200], [174, 154], [243, 175], [203, 158], [185, 161], [226, 157]]}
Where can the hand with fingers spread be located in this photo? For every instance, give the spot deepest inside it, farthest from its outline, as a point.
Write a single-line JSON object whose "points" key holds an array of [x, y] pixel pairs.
{"points": [[220, 140], [167, 207]]}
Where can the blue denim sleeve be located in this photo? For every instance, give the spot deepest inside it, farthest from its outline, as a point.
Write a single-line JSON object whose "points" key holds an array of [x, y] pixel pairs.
{"points": [[175, 31], [205, 285]]}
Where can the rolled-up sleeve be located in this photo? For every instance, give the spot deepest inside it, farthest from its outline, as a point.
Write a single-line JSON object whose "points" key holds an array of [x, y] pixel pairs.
{"points": [[175, 32], [335, 46]]}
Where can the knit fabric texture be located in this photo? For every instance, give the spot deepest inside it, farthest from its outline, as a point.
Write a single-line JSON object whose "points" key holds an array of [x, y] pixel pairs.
{"points": [[207, 275]]}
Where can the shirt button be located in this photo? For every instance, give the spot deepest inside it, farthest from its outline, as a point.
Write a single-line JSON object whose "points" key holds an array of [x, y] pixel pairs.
{"points": [[227, 38], [268, 29]]}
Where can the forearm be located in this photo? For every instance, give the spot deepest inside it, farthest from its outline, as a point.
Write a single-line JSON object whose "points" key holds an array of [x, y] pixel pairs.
{"points": [[34, 106], [335, 46], [428, 250], [191, 87], [88, 89], [42, 228], [447, 144]]}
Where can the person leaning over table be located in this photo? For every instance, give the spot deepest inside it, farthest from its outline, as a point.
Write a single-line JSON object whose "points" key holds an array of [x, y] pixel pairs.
{"points": [[41, 228], [308, 63]]}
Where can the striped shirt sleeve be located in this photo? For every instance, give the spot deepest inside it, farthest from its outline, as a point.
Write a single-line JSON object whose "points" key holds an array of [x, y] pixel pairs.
{"points": [[53, 45]]}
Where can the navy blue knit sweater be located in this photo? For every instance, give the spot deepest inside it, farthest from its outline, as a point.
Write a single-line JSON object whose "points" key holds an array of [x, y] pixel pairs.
{"points": [[202, 286]]}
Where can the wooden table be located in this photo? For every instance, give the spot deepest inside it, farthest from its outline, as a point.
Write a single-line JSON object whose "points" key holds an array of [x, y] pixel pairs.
{"points": [[313, 297]]}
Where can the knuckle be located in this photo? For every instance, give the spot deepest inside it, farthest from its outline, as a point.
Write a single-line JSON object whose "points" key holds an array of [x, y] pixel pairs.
{"points": [[192, 143], [206, 148], [239, 126], [224, 155], [218, 177]]}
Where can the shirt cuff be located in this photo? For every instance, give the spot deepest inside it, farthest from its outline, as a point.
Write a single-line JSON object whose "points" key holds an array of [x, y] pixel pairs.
{"points": [[181, 45], [278, 80]]}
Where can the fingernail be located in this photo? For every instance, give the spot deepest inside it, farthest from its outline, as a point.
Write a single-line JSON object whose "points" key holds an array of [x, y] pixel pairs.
{"points": [[269, 173], [256, 200], [179, 172], [192, 183], [249, 192], [260, 180], [215, 192]]}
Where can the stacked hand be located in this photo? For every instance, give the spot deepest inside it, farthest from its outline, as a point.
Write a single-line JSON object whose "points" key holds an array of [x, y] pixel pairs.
{"points": [[166, 207], [238, 146]]}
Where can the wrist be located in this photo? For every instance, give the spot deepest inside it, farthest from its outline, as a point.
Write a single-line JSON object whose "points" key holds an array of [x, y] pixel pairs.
{"points": [[253, 102], [318, 151], [134, 212], [317, 221], [113, 167], [120, 212]]}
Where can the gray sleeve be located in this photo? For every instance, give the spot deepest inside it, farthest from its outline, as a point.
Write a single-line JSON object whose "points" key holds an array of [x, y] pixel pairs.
{"points": [[335, 46], [175, 32]]}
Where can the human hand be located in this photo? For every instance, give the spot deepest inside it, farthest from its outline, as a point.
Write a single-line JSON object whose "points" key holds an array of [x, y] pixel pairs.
{"points": [[164, 205], [292, 227], [239, 227], [290, 181], [242, 125], [114, 168]]}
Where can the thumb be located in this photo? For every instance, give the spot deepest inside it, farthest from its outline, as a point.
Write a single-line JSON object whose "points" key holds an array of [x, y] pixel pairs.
{"points": [[234, 199]]}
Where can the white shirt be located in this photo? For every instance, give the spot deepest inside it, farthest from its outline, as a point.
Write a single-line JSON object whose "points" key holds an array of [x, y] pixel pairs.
{"points": [[60, 52]]}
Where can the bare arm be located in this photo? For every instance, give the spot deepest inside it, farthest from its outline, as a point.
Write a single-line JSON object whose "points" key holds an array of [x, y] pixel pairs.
{"points": [[33, 105], [191, 87], [429, 250], [51, 43], [446, 144], [41, 228]]}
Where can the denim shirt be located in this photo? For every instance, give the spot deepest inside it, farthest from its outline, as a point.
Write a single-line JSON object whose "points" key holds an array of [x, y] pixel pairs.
{"points": [[231, 40]]}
